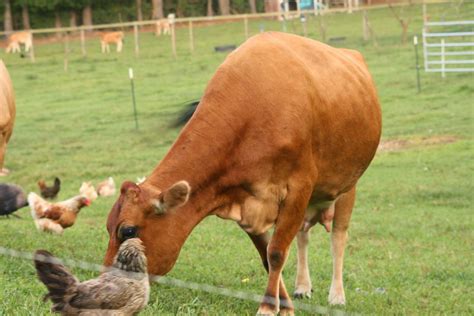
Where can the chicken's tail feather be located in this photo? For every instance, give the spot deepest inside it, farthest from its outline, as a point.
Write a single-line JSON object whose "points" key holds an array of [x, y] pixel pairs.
{"points": [[57, 279], [57, 182]]}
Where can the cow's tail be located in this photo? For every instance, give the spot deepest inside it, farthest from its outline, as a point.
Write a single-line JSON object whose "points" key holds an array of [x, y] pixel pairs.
{"points": [[186, 114]]}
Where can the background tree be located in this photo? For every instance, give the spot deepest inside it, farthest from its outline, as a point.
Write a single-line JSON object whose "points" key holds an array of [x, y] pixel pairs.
{"points": [[138, 4], [157, 9], [253, 6], [25, 16], [224, 7], [209, 8], [7, 20], [87, 15]]}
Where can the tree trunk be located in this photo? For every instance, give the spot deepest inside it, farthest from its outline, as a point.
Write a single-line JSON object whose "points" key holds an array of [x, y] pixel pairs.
{"points": [[271, 6], [87, 17], [209, 8], [253, 6], [157, 9], [224, 7], [7, 20], [57, 23], [25, 17], [139, 10], [73, 19]]}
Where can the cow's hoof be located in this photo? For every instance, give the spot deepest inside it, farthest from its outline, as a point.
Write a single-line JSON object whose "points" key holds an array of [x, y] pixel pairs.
{"points": [[266, 310], [287, 312], [337, 298], [302, 291]]}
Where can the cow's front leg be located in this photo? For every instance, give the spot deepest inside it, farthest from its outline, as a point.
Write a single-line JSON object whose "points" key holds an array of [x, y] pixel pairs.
{"points": [[287, 225], [303, 286], [342, 216], [261, 243]]}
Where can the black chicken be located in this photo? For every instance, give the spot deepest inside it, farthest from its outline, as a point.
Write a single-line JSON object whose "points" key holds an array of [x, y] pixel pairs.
{"points": [[12, 198], [49, 192]]}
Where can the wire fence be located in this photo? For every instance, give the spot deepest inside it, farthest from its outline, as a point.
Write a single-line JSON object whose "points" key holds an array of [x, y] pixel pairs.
{"points": [[170, 282], [322, 23]]}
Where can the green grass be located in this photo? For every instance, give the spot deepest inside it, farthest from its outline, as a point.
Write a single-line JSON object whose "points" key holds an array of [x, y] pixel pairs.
{"points": [[412, 228]]}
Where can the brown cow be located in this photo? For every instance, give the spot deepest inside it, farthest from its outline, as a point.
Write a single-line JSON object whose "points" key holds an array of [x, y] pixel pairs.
{"points": [[285, 122], [108, 38], [16, 39], [7, 113]]}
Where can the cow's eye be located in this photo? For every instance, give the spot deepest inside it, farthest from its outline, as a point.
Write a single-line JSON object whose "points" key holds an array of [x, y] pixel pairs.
{"points": [[127, 232]]}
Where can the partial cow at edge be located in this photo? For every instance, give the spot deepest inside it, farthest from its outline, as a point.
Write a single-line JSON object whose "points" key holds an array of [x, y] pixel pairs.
{"points": [[285, 129], [7, 114]]}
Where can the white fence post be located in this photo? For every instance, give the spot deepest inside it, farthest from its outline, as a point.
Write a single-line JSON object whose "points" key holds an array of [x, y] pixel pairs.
{"points": [[135, 33], [83, 43]]}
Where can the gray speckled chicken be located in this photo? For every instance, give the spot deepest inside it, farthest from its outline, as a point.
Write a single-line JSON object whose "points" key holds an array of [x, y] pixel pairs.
{"points": [[122, 290]]}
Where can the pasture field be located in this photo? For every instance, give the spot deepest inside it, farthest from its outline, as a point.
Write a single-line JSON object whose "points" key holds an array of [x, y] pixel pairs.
{"points": [[410, 249]]}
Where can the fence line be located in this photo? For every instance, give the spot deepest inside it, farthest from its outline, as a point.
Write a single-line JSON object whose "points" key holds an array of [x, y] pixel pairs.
{"points": [[224, 17], [172, 282]]}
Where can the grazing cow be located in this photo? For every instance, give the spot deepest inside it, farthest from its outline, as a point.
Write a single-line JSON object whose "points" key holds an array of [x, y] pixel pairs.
{"points": [[7, 113], [111, 38], [16, 39], [285, 122], [162, 27]]}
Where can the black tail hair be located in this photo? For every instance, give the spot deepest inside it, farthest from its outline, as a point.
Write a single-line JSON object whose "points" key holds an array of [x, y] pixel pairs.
{"points": [[186, 114], [57, 182]]}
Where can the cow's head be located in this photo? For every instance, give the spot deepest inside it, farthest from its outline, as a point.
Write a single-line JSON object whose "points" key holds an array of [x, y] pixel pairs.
{"points": [[153, 216]]}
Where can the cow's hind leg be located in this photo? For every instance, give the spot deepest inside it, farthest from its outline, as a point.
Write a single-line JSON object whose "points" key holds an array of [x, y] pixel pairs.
{"points": [[3, 149], [289, 221], [342, 216], [303, 280], [261, 243]]}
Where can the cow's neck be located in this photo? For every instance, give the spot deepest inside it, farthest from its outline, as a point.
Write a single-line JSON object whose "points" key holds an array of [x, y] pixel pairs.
{"points": [[200, 156]]}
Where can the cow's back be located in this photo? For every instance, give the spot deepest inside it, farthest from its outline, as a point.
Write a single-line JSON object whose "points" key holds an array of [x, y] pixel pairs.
{"points": [[288, 95]]}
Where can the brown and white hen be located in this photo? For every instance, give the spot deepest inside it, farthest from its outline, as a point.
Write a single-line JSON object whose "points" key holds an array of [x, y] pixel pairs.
{"points": [[55, 217]]}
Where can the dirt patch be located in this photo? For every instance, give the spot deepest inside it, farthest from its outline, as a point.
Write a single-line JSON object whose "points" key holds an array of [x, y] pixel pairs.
{"points": [[402, 144]]}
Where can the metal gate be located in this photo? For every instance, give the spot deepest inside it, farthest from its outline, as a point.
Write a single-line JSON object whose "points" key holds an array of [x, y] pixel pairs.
{"points": [[448, 46]]}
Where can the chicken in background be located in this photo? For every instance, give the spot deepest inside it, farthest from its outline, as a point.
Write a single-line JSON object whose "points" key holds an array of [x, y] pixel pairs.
{"points": [[123, 289], [49, 192], [106, 188], [87, 189], [55, 217], [12, 198]]}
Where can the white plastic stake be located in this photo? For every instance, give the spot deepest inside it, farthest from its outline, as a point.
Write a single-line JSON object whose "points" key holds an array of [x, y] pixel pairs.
{"points": [[130, 73]]}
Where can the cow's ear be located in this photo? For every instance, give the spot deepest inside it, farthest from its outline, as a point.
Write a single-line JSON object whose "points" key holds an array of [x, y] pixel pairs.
{"points": [[172, 198]]}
